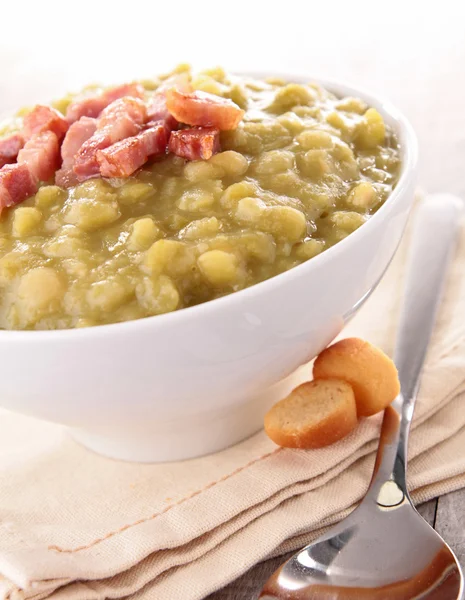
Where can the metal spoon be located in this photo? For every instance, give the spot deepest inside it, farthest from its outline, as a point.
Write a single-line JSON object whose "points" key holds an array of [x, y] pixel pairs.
{"points": [[384, 549]]}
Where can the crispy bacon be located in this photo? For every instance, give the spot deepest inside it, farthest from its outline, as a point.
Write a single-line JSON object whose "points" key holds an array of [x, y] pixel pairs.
{"points": [[134, 90], [121, 119], [112, 134], [16, 184], [85, 162], [41, 154], [199, 143], [9, 148], [89, 107], [44, 118], [92, 107], [78, 133], [158, 110], [203, 109], [66, 177], [121, 116], [123, 158]]}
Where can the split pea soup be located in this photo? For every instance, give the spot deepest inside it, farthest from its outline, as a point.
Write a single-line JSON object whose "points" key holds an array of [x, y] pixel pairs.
{"points": [[212, 212]]}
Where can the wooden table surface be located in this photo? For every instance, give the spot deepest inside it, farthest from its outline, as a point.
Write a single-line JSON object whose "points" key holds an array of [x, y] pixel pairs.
{"points": [[446, 514]]}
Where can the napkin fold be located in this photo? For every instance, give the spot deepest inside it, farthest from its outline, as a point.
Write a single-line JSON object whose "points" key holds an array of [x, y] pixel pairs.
{"points": [[79, 526]]}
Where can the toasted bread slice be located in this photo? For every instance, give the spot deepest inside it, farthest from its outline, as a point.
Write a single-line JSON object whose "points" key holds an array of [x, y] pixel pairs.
{"points": [[372, 375], [315, 414]]}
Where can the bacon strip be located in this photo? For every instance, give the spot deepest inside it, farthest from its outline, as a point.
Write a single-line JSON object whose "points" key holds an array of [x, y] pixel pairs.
{"points": [[123, 158], [78, 133], [44, 118], [121, 119], [203, 109], [92, 107], [158, 110], [9, 148], [16, 184], [41, 154], [66, 177], [198, 143], [37, 159], [122, 116]]}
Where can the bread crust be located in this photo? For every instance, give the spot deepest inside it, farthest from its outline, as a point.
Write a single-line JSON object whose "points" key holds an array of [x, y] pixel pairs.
{"points": [[372, 375], [331, 405]]}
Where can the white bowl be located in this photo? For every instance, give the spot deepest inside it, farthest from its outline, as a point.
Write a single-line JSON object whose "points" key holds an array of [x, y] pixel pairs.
{"points": [[192, 382]]}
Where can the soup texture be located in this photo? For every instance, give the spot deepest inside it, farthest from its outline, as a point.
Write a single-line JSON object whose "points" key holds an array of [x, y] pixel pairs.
{"points": [[189, 186]]}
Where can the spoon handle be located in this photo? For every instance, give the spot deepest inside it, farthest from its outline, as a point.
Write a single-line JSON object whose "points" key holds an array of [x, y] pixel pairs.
{"points": [[433, 239]]}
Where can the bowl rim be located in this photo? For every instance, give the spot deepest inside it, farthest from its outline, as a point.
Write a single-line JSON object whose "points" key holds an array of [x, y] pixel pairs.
{"points": [[409, 153]]}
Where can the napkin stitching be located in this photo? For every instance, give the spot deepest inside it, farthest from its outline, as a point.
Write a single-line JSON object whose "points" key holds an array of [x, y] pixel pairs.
{"points": [[169, 507]]}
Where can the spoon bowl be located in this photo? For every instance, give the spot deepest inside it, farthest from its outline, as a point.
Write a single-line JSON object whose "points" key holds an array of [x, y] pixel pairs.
{"points": [[383, 551]]}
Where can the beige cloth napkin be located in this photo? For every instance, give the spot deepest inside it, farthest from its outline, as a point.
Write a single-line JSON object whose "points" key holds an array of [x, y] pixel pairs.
{"points": [[76, 525]]}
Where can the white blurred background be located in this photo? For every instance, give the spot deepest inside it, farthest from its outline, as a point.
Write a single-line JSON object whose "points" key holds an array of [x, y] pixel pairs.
{"points": [[412, 52]]}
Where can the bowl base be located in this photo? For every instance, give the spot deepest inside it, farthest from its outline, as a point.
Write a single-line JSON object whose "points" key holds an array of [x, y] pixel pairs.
{"points": [[191, 437], [171, 443]]}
